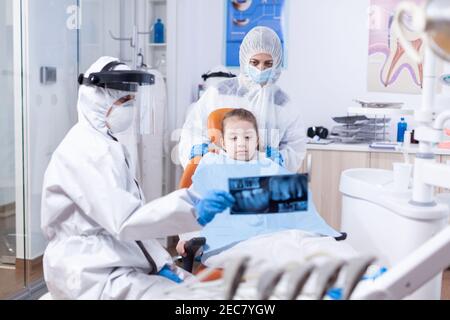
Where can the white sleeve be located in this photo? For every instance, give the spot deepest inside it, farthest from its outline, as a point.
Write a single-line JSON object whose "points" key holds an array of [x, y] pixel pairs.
{"points": [[166, 216], [186, 236], [96, 190], [293, 145], [194, 130]]}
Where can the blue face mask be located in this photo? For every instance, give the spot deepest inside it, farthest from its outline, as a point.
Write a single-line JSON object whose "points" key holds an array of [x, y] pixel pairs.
{"points": [[259, 76]]}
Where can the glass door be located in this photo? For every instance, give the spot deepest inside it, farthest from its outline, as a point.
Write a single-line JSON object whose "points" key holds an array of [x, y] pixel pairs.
{"points": [[50, 63], [38, 73], [44, 45], [12, 271]]}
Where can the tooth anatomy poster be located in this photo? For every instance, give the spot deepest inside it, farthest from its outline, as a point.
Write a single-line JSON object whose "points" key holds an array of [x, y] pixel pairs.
{"points": [[389, 67], [243, 15]]}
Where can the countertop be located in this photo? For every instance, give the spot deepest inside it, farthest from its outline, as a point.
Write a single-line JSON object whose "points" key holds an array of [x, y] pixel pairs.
{"points": [[365, 148]]}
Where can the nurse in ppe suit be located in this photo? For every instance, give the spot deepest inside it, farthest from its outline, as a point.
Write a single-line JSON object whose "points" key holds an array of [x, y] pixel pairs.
{"points": [[100, 231], [282, 134]]}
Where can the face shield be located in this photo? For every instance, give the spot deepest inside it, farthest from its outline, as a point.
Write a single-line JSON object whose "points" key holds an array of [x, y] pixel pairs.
{"points": [[129, 91]]}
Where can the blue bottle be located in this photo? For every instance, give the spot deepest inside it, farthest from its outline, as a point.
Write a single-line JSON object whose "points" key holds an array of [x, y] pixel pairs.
{"points": [[158, 31], [402, 126]]}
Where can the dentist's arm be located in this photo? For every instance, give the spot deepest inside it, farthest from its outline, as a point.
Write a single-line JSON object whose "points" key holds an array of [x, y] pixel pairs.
{"points": [[166, 216], [108, 204]]}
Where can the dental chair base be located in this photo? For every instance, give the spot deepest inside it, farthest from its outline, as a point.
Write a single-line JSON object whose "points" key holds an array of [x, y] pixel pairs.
{"points": [[413, 271]]}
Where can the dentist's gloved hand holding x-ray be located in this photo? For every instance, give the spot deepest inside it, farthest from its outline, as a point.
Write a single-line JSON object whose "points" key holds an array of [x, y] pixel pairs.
{"points": [[214, 202]]}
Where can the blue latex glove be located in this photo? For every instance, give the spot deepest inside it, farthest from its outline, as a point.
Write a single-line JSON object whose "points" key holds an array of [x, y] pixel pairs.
{"points": [[199, 150], [166, 272], [275, 155], [285, 188], [375, 275], [256, 200], [214, 202], [335, 293]]}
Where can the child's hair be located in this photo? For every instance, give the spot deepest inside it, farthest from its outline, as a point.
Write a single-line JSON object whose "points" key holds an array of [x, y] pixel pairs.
{"points": [[240, 114]]}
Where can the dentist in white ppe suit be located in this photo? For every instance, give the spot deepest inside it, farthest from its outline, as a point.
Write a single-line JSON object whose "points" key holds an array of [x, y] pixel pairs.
{"points": [[100, 231], [282, 134]]}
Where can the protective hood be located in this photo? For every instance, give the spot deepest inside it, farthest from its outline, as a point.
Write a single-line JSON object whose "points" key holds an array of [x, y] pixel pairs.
{"points": [[261, 40], [94, 102]]}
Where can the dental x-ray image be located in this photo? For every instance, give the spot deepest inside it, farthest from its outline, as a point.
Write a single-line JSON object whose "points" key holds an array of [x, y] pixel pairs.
{"points": [[272, 194]]}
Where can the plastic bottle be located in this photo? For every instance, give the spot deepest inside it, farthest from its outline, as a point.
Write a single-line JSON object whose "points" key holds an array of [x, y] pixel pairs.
{"points": [[402, 126], [158, 31]]}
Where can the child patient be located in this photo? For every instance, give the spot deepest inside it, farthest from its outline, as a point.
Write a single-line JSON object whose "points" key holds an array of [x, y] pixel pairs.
{"points": [[240, 135], [239, 141], [238, 155]]}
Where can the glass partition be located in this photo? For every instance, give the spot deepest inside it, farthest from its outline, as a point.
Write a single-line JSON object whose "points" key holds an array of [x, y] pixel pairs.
{"points": [[12, 273], [50, 49], [44, 45], [38, 72]]}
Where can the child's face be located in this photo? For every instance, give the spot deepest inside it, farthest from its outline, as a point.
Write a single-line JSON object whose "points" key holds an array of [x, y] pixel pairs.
{"points": [[240, 139]]}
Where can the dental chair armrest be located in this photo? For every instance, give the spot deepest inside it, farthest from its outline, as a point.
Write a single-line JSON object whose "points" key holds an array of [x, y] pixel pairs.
{"points": [[342, 237], [191, 247]]}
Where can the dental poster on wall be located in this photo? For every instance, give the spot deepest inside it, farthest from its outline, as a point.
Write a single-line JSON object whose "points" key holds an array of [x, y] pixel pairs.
{"points": [[243, 15], [389, 67]]}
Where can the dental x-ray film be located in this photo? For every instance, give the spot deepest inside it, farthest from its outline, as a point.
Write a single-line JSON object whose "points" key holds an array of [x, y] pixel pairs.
{"points": [[271, 194]]}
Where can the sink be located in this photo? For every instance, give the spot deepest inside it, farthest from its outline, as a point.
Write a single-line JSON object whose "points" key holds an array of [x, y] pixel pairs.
{"points": [[366, 182]]}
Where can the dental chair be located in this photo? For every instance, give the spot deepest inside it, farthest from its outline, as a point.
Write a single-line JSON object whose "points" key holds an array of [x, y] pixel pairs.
{"points": [[214, 125]]}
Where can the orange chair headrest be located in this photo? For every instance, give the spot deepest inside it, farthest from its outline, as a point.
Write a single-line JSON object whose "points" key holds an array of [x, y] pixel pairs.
{"points": [[215, 124]]}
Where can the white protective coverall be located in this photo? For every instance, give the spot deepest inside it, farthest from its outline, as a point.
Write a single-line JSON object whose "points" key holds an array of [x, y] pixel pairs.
{"points": [[279, 121], [93, 213]]}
